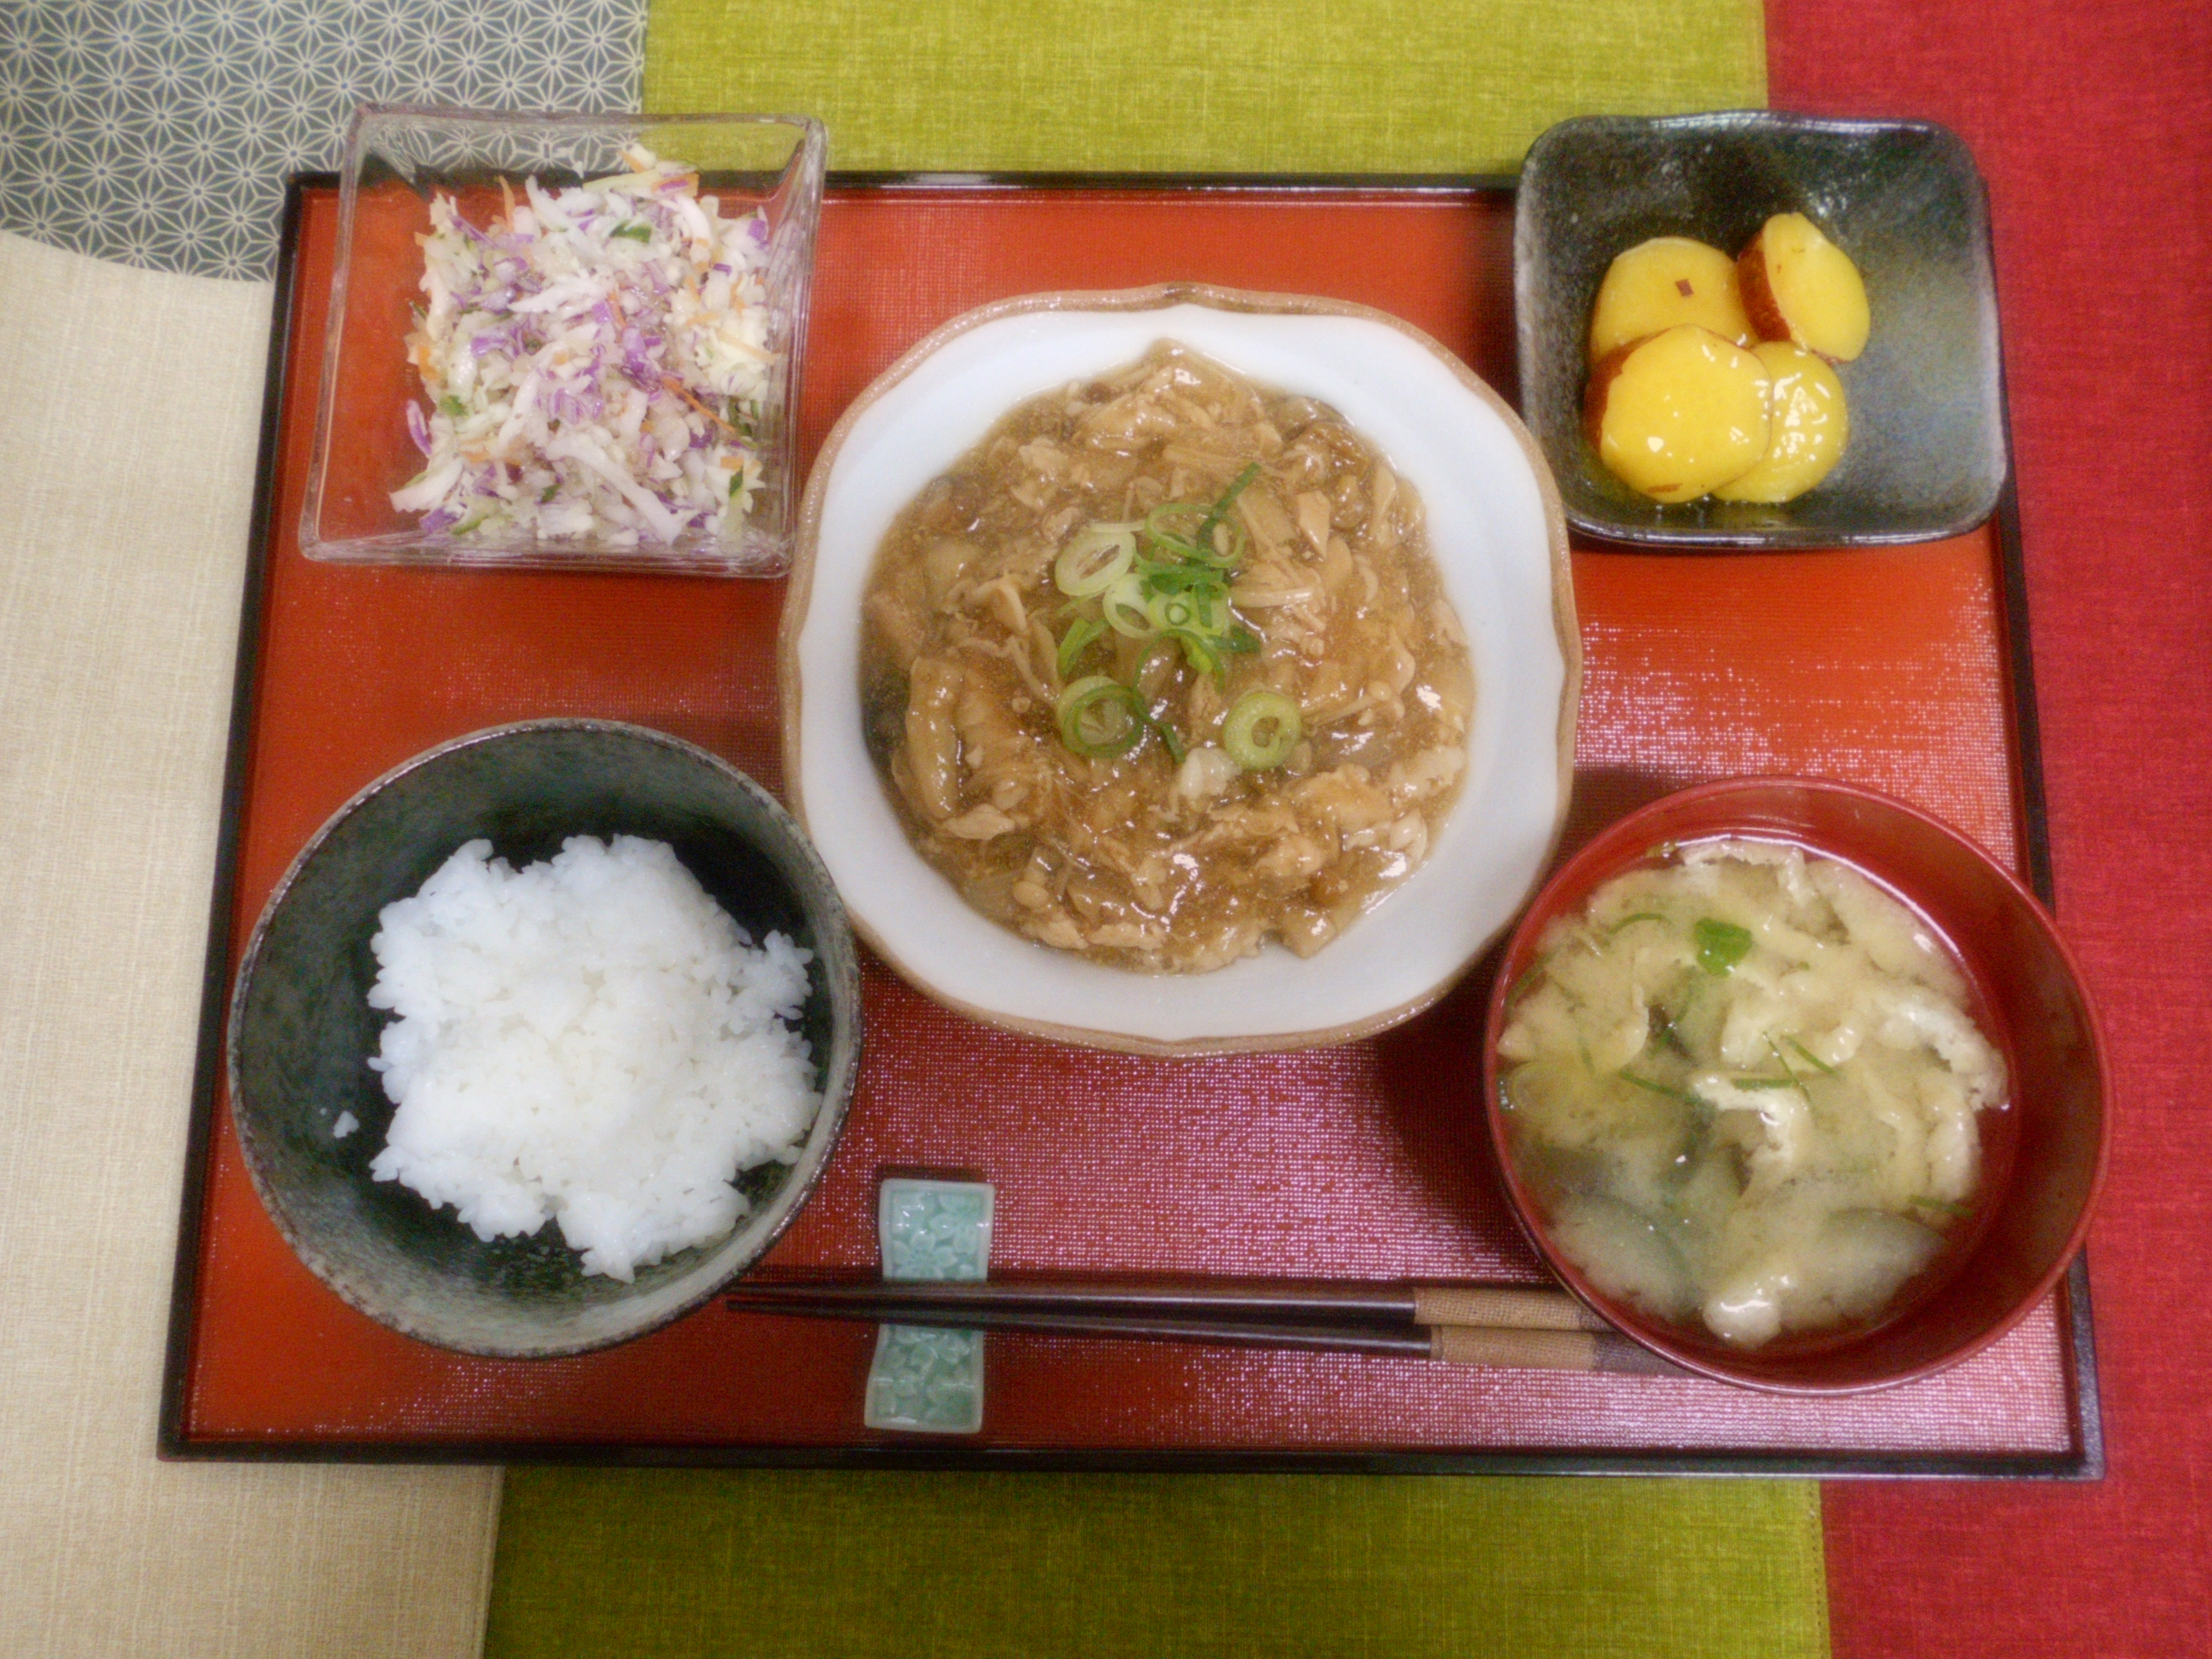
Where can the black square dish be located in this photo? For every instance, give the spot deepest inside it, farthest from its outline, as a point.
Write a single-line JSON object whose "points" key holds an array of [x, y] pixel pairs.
{"points": [[1927, 455]]}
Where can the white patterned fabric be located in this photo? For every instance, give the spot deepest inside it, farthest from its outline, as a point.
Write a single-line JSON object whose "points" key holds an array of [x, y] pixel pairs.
{"points": [[160, 132], [130, 407]]}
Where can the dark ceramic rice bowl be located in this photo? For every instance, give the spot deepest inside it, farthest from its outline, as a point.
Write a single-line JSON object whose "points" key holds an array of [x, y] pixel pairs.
{"points": [[301, 1031]]}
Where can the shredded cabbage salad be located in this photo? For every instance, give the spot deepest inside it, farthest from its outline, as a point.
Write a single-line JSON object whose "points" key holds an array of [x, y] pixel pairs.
{"points": [[597, 364]]}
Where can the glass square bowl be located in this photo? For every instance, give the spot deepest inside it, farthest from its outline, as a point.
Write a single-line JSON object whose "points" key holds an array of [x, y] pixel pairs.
{"points": [[397, 161], [1927, 455]]}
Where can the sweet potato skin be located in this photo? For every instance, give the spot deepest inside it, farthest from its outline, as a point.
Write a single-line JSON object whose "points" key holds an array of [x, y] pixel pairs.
{"points": [[1602, 377], [1758, 291]]}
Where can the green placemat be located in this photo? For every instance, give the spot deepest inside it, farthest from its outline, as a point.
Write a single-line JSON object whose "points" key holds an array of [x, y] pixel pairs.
{"points": [[655, 1564], [772, 1562], [1341, 86]]}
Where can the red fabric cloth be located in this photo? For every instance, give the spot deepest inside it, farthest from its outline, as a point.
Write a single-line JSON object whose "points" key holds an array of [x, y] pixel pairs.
{"points": [[2093, 123]]}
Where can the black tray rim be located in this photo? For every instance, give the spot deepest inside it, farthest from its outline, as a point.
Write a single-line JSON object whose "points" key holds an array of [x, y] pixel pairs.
{"points": [[2084, 1460]]}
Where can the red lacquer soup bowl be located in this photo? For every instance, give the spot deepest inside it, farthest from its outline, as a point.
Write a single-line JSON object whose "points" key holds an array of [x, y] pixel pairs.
{"points": [[2043, 1153]]}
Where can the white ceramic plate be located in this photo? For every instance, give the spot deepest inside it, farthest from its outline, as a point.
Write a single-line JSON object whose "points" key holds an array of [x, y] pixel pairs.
{"points": [[1495, 532]]}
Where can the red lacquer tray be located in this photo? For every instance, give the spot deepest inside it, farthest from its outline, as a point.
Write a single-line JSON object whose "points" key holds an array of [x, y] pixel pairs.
{"points": [[1895, 668]]}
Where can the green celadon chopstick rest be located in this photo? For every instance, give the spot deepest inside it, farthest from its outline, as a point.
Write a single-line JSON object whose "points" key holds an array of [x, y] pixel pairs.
{"points": [[925, 1380]]}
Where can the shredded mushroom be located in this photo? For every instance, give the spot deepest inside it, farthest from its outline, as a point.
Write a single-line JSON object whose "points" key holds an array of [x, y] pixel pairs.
{"points": [[1177, 674]]}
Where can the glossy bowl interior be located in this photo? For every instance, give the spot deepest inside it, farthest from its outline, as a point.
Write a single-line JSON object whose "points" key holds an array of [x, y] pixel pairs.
{"points": [[2032, 992], [1500, 548], [301, 1031], [1927, 455], [396, 160]]}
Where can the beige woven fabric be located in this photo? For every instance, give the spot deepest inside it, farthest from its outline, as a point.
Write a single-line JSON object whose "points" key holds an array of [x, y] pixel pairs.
{"points": [[129, 408]]}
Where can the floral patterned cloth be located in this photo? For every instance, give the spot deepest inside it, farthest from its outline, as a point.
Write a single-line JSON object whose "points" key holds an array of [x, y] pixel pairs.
{"points": [[160, 132]]}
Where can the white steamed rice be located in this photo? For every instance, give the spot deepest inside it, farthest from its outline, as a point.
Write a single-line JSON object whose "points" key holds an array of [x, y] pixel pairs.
{"points": [[590, 1040]]}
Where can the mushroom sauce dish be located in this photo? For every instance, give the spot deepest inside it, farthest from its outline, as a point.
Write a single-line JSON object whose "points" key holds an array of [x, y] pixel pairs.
{"points": [[1161, 671]]}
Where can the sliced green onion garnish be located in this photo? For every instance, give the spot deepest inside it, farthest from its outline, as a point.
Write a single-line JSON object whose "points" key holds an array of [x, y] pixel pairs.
{"points": [[1160, 528], [1782, 1060], [1663, 1033], [1210, 605], [1811, 1059], [1261, 730], [1095, 559], [453, 406], [635, 233], [1123, 604], [1529, 976], [1203, 611], [1101, 718], [1169, 736], [1199, 652], [1658, 1088], [1176, 577], [1173, 612], [1075, 640], [1223, 559], [1721, 945], [1628, 922], [1220, 510]]}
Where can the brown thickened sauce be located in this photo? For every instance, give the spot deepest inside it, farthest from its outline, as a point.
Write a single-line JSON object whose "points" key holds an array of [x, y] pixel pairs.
{"points": [[1137, 860]]}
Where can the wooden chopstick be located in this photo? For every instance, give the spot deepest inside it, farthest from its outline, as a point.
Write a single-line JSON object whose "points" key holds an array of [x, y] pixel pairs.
{"points": [[1222, 1313], [1406, 1341], [1250, 1301]]}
